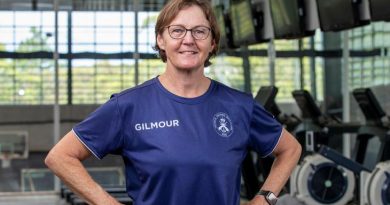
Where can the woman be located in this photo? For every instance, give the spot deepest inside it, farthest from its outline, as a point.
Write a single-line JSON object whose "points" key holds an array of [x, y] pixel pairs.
{"points": [[182, 135]]}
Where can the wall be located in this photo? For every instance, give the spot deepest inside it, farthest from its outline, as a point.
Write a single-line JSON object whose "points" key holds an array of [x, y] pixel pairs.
{"points": [[38, 121]]}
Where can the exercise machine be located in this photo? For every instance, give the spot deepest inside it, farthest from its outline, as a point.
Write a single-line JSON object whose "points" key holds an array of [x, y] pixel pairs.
{"points": [[375, 186], [317, 181], [316, 128], [330, 178], [266, 97], [374, 127], [327, 177]]}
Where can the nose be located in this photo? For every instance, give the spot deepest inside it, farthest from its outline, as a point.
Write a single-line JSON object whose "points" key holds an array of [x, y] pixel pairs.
{"points": [[188, 39]]}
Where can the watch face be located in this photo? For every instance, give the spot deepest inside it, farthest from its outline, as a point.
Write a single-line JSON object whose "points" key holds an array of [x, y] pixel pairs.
{"points": [[271, 198]]}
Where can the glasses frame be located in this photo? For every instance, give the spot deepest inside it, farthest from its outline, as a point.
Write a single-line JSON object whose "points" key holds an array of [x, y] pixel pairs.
{"points": [[189, 30]]}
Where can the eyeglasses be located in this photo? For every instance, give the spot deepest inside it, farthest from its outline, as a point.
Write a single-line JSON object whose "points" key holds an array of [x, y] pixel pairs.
{"points": [[179, 32]]}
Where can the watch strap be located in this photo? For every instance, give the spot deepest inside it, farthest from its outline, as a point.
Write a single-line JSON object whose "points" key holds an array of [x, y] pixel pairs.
{"points": [[263, 192]]}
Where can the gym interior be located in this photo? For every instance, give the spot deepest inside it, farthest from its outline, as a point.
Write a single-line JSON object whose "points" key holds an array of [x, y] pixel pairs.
{"points": [[321, 67]]}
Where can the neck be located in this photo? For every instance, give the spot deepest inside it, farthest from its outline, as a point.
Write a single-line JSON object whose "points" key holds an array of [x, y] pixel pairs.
{"points": [[185, 83]]}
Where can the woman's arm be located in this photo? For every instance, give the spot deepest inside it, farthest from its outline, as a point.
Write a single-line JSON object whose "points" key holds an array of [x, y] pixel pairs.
{"points": [[287, 153], [65, 161]]}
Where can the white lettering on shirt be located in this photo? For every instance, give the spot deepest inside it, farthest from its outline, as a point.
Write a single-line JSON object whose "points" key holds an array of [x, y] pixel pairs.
{"points": [[157, 125]]}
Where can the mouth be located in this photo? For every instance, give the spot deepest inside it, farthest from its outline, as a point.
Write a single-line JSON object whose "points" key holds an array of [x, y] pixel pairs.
{"points": [[188, 52]]}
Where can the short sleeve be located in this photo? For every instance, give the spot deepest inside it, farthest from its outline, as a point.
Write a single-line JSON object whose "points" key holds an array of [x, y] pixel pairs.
{"points": [[101, 132], [265, 131]]}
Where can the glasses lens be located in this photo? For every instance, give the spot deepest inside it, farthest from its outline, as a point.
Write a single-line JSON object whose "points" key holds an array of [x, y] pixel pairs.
{"points": [[177, 31], [200, 32]]}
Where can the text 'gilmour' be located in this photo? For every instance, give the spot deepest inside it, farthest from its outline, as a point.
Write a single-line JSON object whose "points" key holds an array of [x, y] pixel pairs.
{"points": [[157, 125]]}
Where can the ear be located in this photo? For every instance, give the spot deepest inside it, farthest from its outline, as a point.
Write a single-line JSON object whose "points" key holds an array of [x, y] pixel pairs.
{"points": [[160, 42], [212, 45]]}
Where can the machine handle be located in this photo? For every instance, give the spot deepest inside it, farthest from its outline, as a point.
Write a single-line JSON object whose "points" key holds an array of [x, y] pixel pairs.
{"points": [[341, 160]]}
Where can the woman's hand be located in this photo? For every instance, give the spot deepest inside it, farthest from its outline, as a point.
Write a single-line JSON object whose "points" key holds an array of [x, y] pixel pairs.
{"points": [[258, 200]]}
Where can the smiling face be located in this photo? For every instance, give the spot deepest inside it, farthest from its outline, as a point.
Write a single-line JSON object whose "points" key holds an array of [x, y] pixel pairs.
{"points": [[187, 53]]}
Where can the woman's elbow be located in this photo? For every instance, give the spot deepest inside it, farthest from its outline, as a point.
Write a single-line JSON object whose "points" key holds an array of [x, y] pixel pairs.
{"points": [[51, 159], [298, 150], [48, 160]]}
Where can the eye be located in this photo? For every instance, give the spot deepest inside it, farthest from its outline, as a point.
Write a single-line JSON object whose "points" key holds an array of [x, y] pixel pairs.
{"points": [[199, 31], [177, 30]]}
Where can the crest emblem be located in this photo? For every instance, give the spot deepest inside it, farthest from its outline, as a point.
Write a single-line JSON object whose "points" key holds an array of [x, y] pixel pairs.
{"points": [[222, 124]]}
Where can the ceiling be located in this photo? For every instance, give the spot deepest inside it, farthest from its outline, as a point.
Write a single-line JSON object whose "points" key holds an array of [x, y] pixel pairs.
{"points": [[81, 5]]}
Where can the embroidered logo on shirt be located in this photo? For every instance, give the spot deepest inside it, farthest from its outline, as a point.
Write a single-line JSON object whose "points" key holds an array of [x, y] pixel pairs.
{"points": [[222, 124]]}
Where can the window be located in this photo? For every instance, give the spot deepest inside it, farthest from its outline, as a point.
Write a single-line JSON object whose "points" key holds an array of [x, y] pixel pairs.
{"points": [[369, 71]]}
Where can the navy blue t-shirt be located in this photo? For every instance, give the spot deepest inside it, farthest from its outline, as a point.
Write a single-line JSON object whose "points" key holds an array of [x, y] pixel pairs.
{"points": [[180, 151]]}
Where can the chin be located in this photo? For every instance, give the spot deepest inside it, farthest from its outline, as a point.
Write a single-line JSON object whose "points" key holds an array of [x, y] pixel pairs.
{"points": [[189, 67], [186, 65]]}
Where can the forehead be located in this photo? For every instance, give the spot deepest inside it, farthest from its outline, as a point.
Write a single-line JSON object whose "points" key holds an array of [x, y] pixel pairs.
{"points": [[191, 16]]}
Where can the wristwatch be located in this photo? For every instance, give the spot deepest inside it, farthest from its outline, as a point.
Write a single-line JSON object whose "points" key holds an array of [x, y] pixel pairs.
{"points": [[269, 196]]}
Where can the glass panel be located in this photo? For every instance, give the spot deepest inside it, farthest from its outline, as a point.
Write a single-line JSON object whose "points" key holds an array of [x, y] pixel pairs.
{"points": [[111, 19], [6, 35], [62, 35], [286, 45], [129, 73], [319, 62], [369, 71], [29, 19], [22, 33], [128, 35], [260, 75], [83, 72], [83, 48], [227, 70], [7, 90], [286, 78], [128, 48], [82, 19], [108, 35], [128, 19], [144, 48], [149, 69], [108, 48], [83, 35], [48, 18], [108, 79], [306, 74], [9, 18]]}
